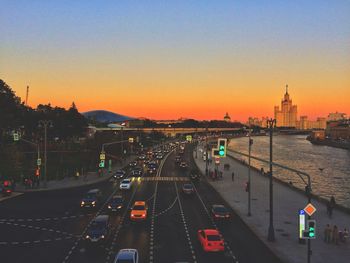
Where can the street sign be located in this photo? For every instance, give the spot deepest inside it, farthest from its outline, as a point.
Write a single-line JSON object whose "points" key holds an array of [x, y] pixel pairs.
{"points": [[102, 156], [15, 136], [38, 162], [301, 223], [217, 160], [189, 138], [131, 140], [310, 209]]}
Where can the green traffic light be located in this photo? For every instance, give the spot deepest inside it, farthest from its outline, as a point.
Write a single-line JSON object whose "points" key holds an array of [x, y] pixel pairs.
{"points": [[221, 153]]}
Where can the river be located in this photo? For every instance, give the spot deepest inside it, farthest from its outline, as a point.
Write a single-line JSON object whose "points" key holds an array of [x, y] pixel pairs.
{"points": [[328, 167]]}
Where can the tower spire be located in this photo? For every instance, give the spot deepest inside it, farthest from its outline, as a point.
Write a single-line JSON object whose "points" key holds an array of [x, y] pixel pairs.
{"points": [[286, 88]]}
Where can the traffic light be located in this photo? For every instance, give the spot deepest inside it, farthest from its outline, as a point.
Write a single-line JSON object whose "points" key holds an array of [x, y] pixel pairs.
{"points": [[312, 229], [102, 164], [222, 147]]}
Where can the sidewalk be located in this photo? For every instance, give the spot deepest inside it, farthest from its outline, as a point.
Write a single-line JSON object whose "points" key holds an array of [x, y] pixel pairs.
{"points": [[70, 182], [287, 203]]}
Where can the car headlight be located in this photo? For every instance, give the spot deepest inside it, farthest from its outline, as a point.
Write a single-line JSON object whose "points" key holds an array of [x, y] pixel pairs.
{"points": [[87, 237], [94, 202], [119, 207], [109, 207], [82, 202], [102, 236], [132, 215]]}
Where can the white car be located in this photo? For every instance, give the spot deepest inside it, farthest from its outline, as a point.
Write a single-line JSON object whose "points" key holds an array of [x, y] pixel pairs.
{"points": [[127, 255], [125, 184]]}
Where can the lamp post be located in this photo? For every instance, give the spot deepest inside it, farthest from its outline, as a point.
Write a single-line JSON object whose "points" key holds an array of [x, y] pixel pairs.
{"points": [[249, 178], [271, 232], [44, 124], [206, 153]]}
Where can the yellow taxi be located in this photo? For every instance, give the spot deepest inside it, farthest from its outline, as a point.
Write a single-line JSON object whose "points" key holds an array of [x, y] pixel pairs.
{"points": [[139, 211]]}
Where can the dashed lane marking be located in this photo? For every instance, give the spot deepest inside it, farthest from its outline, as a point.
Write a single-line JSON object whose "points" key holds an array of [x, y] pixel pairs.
{"points": [[165, 179], [228, 248], [38, 228], [167, 209], [43, 219], [19, 243], [185, 227]]}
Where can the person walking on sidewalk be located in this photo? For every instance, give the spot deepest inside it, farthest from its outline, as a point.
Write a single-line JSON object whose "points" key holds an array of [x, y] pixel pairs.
{"points": [[327, 233], [335, 235], [330, 206], [233, 176]]}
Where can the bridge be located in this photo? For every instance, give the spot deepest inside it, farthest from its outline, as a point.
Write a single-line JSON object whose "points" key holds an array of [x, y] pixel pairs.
{"points": [[169, 131]]}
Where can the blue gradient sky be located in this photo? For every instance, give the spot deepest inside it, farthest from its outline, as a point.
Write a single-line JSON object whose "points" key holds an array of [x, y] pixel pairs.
{"points": [[167, 59]]}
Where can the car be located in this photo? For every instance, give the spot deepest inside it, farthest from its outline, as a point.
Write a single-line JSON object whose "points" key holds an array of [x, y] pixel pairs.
{"points": [[142, 157], [177, 159], [136, 171], [120, 174], [127, 255], [188, 189], [159, 156], [133, 164], [152, 168], [125, 184], [139, 211], [183, 164], [116, 203], [98, 231], [91, 199], [211, 240], [220, 212], [194, 176]]}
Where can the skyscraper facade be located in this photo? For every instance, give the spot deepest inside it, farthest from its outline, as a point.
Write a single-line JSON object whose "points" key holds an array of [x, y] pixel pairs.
{"points": [[287, 115]]}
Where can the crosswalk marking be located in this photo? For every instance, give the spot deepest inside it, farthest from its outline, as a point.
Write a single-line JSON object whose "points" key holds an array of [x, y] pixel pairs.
{"points": [[165, 179]]}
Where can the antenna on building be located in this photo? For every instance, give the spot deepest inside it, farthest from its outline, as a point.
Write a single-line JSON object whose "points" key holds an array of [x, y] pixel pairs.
{"points": [[287, 88], [27, 94]]}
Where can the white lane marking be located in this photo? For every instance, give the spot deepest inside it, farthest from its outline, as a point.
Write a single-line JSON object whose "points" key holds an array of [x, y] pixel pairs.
{"points": [[151, 248], [216, 227], [110, 250], [185, 226], [167, 209], [88, 225]]}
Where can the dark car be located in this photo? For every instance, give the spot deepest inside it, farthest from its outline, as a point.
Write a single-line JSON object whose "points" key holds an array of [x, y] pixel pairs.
{"points": [[220, 212], [120, 174], [194, 176], [183, 165], [152, 168], [133, 164], [99, 230], [177, 159], [116, 203], [136, 171], [91, 199], [188, 189], [142, 157]]}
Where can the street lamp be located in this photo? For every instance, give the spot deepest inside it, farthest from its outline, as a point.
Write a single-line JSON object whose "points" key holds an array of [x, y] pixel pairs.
{"points": [[44, 124], [249, 178], [271, 123]]}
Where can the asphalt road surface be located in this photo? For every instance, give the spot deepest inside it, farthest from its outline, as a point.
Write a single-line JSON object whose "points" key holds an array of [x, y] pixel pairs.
{"points": [[50, 226]]}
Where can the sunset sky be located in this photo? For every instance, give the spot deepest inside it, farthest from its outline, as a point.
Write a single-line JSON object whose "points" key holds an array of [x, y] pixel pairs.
{"points": [[171, 59]]}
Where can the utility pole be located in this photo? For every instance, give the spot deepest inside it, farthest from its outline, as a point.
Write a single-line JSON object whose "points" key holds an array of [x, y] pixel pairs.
{"points": [[271, 232], [249, 178], [206, 153], [45, 124]]}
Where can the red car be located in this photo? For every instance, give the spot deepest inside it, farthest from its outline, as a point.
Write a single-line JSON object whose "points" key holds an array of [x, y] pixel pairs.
{"points": [[211, 240]]}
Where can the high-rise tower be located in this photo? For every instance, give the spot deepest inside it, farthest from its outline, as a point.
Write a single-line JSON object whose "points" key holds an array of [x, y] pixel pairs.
{"points": [[287, 115]]}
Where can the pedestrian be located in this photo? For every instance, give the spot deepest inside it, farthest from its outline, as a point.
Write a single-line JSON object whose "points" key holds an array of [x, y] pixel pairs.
{"points": [[233, 176], [335, 235], [345, 234], [327, 233], [331, 206]]}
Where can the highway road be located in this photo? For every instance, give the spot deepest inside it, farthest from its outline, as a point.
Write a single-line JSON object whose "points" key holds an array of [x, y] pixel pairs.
{"points": [[50, 226]]}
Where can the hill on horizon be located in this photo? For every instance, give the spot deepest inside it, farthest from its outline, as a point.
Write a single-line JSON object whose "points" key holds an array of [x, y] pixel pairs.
{"points": [[106, 116]]}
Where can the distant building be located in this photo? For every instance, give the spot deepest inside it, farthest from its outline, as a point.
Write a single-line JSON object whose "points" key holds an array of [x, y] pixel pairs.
{"points": [[305, 124], [227, 118], [254, 121], [338, 130], [287, 115], [336, 116]]}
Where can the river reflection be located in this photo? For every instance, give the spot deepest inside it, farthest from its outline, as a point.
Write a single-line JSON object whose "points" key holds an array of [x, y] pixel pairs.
{"points": [[329, 167]]}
